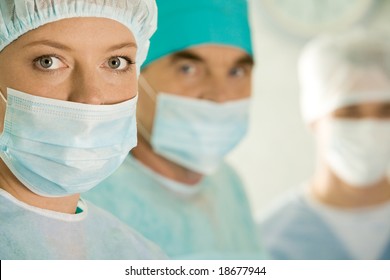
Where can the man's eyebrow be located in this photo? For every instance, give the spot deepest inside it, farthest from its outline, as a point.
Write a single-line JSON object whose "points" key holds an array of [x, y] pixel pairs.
{"points": [[246, 59], [61, 46], [185, 55]]}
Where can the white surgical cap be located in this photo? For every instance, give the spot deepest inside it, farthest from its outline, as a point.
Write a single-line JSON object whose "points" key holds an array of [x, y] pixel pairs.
{"points": [[333, 70], [20, 16]]}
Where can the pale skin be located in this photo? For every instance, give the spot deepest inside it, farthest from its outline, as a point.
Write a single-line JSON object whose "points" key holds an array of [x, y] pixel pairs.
{"points": [[84, 60], [326, 186], [210, 72]]}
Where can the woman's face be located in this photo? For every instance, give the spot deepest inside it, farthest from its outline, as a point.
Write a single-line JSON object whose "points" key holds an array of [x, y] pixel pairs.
{"points": [[85, 60]]}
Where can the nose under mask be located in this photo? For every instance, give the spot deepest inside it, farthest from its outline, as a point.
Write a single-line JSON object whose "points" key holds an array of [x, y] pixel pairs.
{"points": [[57, 148], [194, 133], [358, 151]]}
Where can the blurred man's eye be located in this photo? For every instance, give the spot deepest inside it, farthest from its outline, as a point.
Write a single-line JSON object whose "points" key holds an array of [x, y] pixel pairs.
{"points": [[187, 69], [385, 111], [237, 72], [348, 112]]}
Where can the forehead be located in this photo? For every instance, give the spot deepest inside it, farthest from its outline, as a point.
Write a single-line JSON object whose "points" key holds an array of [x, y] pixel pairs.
{"points": [[231, 51], [371, 78], [82, 31]]}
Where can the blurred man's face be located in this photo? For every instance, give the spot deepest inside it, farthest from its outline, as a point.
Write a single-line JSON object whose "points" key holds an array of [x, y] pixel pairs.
{"points": [[210, 72]]}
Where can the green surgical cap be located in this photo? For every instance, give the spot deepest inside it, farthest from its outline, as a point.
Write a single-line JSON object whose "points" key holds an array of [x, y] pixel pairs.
{"points": [[186, 23]]}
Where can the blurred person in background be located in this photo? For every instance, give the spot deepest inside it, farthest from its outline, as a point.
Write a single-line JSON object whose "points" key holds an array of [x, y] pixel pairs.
{"points": [[343, 211], [195, 87]]}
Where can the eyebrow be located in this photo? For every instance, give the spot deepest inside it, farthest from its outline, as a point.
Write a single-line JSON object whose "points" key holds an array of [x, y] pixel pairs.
{"points": [[60, 46], [185, 55], [123, 45], [244, 60], [48, 43]]}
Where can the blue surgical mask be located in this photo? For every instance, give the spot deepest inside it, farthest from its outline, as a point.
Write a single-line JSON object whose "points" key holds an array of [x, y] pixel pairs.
{"points": [[58, 148], [194, 133]]}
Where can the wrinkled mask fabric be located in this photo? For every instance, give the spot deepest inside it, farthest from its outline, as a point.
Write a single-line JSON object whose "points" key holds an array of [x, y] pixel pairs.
{"points": [[358, 151], [194, 133], [57, 148]]}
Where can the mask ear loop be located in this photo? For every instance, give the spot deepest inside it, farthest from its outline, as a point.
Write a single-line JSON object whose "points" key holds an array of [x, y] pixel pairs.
{"points": [[2, 97], [3, 105], [147, 88], [142, 130]]}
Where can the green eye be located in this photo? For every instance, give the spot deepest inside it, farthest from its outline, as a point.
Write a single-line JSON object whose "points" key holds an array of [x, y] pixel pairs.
{"points": [[49, 63], [46, 62], [118, 63], [114, 63]]}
